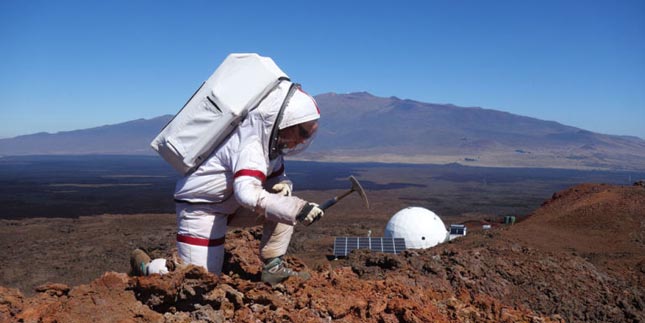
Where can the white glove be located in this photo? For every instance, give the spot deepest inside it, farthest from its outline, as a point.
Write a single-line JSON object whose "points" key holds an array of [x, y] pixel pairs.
{"points": [[310, 213], [157, 266], [282, 188]]}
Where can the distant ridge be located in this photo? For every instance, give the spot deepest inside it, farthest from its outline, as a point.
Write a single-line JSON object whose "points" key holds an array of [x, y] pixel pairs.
{"points": [[129, 138], [360, 127]]}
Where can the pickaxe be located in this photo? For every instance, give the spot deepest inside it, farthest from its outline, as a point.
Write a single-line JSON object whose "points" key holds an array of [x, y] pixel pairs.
{"points": [[356, 187]]}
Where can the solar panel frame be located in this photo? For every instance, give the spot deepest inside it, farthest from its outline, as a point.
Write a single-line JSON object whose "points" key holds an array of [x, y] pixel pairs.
{"points": [[344, 245]]}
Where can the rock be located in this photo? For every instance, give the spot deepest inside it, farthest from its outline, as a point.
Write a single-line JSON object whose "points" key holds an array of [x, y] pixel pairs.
{"points": [[106, 299], [53, 289], [11, 303]]}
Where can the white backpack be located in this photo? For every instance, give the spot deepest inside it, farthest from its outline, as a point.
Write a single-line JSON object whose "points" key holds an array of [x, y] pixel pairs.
{"points": [[215, 110]]}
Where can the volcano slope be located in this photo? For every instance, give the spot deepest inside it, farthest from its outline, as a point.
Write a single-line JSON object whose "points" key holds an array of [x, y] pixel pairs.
{"points": [[578, 258]]}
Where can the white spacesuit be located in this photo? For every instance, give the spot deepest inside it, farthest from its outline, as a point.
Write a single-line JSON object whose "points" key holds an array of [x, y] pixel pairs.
{"points": [[247, 171]]}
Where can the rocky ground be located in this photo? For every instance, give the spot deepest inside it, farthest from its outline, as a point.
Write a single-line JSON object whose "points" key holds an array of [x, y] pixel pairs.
{"points": [[578, 258]]}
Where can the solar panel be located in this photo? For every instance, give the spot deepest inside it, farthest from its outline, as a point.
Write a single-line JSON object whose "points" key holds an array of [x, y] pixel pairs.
{"points": [[344, 245]]}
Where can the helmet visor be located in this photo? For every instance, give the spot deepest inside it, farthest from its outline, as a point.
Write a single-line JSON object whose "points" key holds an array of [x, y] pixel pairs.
{"points": [[293, 140]]}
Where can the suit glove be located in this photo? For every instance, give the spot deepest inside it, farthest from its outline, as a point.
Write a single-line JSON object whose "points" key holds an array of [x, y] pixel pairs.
{"points": [[282, 188], [310, 213]]}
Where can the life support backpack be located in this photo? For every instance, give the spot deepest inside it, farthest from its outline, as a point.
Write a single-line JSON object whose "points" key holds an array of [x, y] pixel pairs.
{"points": [[219, 105]]}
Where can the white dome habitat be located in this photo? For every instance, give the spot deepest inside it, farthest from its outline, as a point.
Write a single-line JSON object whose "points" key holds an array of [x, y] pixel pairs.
{"points": [[421, 228]]}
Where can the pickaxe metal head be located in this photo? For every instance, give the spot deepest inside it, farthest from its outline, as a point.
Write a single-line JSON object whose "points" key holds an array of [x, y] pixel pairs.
{"points": [[356, 187]]}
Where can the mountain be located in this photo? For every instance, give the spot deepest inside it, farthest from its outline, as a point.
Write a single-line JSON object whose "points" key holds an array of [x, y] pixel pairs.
{"points": [[363, 127], [359, 126], [129, 138]]}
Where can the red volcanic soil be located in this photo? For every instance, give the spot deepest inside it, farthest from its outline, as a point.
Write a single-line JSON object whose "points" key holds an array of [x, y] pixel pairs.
{"points": [[578, 258], [604, 224]]}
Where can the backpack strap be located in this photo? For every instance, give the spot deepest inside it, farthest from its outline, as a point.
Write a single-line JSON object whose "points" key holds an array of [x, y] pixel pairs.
{"points": [[274, 152]]}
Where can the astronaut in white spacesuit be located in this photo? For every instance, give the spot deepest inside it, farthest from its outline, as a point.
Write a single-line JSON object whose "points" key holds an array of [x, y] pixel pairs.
{"points": [[247, 171]]}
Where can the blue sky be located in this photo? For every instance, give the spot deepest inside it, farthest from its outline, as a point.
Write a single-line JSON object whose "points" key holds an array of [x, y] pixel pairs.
{"points": [[68, 65]]}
